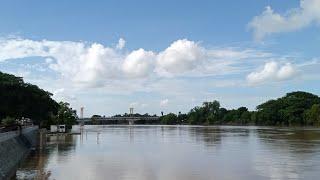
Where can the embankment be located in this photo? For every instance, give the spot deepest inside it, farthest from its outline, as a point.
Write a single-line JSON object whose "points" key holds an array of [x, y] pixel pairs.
{"points": [[14, 147]]}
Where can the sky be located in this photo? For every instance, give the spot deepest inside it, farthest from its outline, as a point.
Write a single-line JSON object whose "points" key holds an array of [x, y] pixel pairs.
{"points": [[170, 56]]}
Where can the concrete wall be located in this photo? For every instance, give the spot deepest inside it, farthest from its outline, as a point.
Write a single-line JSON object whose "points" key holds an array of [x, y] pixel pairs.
{"points": [[14, 147]]}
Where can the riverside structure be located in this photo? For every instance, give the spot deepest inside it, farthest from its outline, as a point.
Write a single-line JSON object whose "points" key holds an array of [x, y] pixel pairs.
{"points": [[14, 147]]}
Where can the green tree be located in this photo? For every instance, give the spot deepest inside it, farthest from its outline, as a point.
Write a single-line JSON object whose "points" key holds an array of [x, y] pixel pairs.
{"points": [[8, 121], [182, 119], [66, 115], [94, 118], [288, 110], [196, 116], [19, 99], [211, 112], [245, 118], [169, 119], [313, 115]]}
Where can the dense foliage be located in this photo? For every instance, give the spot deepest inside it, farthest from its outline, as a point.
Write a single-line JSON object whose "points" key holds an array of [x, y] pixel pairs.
{"points": [[8, 121], [294, 109], [66, 115], [289, 110], [19, 99]]}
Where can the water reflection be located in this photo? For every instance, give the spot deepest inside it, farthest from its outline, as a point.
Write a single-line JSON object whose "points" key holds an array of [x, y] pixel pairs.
{"points": [[58, 148], [288, 153], [177, 152]]}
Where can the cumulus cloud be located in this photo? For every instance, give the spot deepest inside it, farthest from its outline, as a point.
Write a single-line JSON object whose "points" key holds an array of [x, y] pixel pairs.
{"points": [[271, 22], [181, 56], [164, 102], [188, 58], [121, 43], [77, 61], [95, 65], [272, 71], [139, 63]]}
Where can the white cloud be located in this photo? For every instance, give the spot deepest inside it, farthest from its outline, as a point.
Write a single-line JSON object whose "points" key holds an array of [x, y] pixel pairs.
{"points": [[139, 63], [95, 65], [286, 72], [270, 22], [181, 56], [190, 59], [62, 95], [164, 102], [58, 91], [77, 61], [138, 105], [121, 43], [49, 60], [272, 71], [70, 64]]}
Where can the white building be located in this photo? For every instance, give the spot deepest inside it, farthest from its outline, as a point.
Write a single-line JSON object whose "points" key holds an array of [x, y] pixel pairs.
{"points": [[61, 128]]}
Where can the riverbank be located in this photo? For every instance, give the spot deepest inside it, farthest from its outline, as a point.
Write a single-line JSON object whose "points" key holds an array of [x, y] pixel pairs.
{"points": [[14, 147]]}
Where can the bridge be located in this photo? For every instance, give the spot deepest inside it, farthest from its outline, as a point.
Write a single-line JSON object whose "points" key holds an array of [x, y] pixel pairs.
{"points": [[120, 120]]}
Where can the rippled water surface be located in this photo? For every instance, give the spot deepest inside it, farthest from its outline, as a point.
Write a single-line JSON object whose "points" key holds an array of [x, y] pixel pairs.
{"points": [[177, 152]]}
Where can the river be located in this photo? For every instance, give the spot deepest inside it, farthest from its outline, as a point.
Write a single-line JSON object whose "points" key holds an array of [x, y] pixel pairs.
{"points": [[177, 153]]}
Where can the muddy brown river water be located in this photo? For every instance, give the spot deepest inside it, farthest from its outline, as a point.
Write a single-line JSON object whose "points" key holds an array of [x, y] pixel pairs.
{"points": [[177, 153]]}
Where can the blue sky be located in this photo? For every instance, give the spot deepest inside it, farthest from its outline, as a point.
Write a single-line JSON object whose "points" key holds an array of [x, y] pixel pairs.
{"points": [[162, 55]]}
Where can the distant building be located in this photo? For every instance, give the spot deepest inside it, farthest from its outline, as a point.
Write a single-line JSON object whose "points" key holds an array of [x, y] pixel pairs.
{"points": [[61, 128]]}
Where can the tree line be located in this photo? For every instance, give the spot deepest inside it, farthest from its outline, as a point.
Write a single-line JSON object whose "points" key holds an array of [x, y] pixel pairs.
{"points": [[19, 99], [294, 109]]}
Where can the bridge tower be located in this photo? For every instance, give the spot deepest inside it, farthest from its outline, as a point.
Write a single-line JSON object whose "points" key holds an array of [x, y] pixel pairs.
{"points": [[81, 112], [131, 111], [81, 115], [131, 122]]}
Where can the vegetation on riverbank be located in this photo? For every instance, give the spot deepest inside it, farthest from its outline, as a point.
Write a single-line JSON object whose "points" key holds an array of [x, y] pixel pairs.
{"points": [[19, 99], [294, 109]]}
